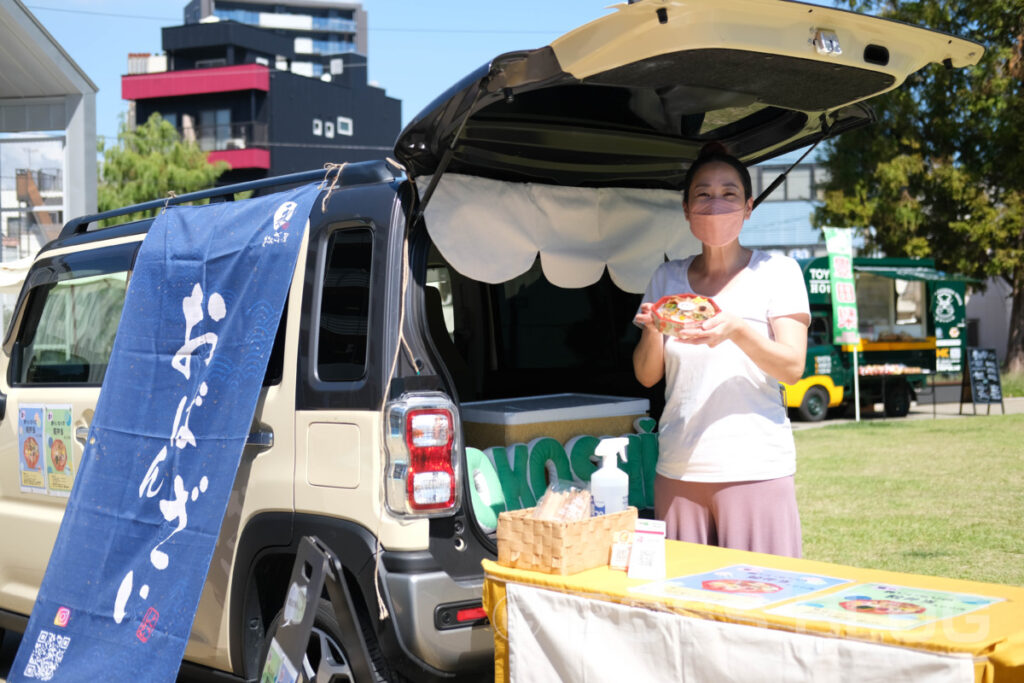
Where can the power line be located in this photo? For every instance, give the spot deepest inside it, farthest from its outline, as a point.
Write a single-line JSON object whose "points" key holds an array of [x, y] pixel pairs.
{"points": [[100, 14], [371, 29]]}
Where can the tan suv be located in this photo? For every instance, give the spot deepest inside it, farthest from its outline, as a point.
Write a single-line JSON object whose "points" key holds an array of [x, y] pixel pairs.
{"points": [[500, 256]]}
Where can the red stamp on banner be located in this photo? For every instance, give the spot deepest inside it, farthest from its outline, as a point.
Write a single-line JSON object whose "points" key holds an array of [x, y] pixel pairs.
{"points": [[148, 624]]}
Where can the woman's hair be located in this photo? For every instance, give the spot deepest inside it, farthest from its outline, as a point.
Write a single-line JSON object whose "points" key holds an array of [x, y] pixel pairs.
{"points": [[711, 152]]}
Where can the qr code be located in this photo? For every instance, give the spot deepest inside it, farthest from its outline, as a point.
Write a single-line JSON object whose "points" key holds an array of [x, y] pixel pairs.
{"points": [[46, 655]]}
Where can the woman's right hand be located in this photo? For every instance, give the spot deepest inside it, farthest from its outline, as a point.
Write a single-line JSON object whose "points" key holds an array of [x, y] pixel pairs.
{"points": [[648, 356]]}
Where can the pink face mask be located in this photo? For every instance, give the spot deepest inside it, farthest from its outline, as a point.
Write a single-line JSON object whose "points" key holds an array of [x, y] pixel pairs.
{"points": [[718, 222]]}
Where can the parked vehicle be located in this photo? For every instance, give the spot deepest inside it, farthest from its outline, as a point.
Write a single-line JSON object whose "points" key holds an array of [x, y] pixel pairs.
{"points": [[501, 255], [912, 324]]}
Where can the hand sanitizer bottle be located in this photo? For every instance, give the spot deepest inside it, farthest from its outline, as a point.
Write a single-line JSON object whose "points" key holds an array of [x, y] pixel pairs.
{"points": [[609, 485]]}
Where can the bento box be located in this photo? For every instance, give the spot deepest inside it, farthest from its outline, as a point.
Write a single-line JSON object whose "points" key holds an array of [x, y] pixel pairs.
{"points": [[677, 312]]}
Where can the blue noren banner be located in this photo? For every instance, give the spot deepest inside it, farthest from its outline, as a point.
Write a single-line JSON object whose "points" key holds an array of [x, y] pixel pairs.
{"points": [[200, 315]]}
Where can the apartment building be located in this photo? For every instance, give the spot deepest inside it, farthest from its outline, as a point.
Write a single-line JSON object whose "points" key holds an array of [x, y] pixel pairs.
{"points": [[248, 97]]}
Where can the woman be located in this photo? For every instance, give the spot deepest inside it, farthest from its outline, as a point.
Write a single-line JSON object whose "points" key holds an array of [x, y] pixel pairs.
{"points": [[726, 453]]}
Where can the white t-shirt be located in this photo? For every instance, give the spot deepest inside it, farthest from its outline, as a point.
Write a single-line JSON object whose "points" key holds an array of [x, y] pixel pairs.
{"points": [[724, 418]]}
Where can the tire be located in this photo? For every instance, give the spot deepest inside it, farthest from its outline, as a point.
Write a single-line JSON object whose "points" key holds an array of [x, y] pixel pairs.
{"points": [[897, 399], [814, 407], [325, 652]]}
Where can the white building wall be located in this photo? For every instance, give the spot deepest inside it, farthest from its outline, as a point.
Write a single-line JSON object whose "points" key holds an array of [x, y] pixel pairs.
{"points": [[992, 311]]}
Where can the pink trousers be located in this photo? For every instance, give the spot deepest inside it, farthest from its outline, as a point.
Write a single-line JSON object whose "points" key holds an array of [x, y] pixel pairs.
{"points": [[760, 516]]}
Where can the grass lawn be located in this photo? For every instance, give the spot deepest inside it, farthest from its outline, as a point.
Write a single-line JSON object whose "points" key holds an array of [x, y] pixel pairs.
{"points": [[939, 497]]}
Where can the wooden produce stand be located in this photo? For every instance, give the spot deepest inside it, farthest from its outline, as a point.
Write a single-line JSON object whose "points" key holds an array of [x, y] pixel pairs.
{"points": [[730, 615]]}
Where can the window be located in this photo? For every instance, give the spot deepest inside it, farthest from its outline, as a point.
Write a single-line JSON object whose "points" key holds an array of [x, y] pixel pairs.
{"points": [[798, 183], [344, 125], [801, 184], [73, 311], [318, 127], [820, 331], [214, 129], [911, 304], [875, 306], [345, 306], [210, 63]]}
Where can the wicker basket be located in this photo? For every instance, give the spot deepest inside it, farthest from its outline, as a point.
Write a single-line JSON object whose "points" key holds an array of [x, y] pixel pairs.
{"points": [[559, 547]]}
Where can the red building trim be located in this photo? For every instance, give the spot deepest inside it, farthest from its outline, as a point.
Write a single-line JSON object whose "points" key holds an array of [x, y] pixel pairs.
{"points": [[242, 158], [195, 82]]}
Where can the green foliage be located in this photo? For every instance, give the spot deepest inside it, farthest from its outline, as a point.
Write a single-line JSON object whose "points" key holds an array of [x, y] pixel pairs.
{"points": [[941, 173], [148, 162], [1012, 384]]}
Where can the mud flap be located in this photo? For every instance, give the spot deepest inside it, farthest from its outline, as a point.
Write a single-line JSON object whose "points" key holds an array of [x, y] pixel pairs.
{"points": [[316, 567]]}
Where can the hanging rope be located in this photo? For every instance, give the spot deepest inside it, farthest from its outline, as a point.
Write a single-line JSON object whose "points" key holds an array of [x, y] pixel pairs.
{"points": [[328, 168], [170, 195]]}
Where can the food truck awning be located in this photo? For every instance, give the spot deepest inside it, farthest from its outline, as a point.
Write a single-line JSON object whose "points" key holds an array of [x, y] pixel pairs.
{"points": [[912, 272]]}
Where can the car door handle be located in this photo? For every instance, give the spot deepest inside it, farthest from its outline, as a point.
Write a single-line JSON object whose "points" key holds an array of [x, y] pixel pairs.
{"points": [[261, 439]]}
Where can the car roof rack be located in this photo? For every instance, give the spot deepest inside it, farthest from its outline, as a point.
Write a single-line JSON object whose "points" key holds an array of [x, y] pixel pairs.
{"points": [[356, 173]]}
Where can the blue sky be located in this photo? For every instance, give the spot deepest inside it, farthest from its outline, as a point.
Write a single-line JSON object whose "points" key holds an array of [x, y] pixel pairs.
{"points": [[417, 48]]}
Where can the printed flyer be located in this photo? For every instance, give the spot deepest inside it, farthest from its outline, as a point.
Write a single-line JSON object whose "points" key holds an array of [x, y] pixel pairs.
{"points": [[30, 448], [740, 586], [60, 468], [278, 668], [882, 606]]}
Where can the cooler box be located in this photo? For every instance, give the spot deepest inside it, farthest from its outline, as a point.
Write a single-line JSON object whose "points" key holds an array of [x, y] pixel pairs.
{"points": [[507, 421]]}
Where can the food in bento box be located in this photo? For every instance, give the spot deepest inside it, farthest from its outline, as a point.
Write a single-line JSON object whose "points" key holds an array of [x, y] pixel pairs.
{"points": [[59, 455], [870, 606], [740, 586], [31, 453], [681, 311]]}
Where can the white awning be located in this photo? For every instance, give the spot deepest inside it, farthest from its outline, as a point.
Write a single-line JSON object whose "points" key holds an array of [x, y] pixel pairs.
{"points": [[492, 230]]}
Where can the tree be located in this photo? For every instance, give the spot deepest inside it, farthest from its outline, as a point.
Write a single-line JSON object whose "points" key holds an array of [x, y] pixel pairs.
{"points": [[941, 173], [148, 162]]}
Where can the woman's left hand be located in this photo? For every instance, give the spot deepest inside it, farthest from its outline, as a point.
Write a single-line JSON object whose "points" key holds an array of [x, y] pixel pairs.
{"points": [[712, 331]]}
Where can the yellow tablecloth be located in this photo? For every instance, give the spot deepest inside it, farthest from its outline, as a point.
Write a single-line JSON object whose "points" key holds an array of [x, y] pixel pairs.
{"points": [[993, 636]]}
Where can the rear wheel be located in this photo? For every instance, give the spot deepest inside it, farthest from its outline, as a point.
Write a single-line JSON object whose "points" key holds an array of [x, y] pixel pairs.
{"points": [[814, 407], [326, 657], [897, 399]]}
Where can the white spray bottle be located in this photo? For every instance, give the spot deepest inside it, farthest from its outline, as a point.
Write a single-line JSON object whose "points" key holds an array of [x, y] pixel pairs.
{"points": [[609, 485]]}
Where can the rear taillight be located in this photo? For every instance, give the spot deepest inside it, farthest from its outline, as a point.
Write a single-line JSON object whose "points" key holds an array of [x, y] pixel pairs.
{"points": [[422, 478], [431, 479]]}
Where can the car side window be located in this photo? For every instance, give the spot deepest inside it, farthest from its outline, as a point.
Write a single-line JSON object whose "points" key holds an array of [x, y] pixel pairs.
{"points": [[73, 309], [345, 306]]}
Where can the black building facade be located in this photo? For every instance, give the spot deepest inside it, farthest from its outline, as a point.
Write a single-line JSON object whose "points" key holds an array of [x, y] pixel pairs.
{"points": [[245, 96]]}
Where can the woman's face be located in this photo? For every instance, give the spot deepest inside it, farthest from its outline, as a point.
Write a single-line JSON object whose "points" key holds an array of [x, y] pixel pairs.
{"points": [[717, 180]]}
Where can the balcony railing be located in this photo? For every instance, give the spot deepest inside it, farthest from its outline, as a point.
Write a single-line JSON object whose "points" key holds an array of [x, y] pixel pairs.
{"points": [[334, 24], [29, 183]]}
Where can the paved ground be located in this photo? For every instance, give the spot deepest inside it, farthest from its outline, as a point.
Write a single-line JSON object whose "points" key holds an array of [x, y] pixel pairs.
{"points": [[946, 406]]}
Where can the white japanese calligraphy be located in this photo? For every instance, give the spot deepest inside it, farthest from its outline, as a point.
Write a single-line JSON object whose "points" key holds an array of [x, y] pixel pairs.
{"points": [[192, 307], [175, 508]]}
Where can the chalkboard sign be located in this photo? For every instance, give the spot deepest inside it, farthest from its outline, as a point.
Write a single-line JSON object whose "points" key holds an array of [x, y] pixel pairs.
{"points": [[981, 382]]}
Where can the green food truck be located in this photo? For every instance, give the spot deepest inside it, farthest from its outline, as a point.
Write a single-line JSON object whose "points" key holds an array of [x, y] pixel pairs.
{"points": [[912, 324]]}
